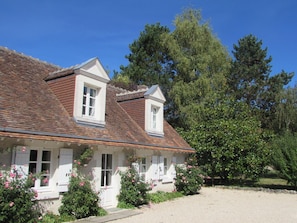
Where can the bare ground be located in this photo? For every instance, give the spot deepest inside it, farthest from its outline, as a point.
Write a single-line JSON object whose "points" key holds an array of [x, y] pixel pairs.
{"points": [[222, 205]]}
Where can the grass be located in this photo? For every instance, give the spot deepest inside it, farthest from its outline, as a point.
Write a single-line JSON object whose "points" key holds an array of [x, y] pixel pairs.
{"points": [[270, 180]]}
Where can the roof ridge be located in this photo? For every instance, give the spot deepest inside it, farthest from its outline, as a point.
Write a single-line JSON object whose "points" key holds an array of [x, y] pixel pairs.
{"points": [[28, 56], [132, 92]]}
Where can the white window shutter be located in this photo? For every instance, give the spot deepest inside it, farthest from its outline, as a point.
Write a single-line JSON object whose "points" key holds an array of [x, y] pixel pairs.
{"points": [[21, 161], [65, 169], [161, 167], [155, 171]]}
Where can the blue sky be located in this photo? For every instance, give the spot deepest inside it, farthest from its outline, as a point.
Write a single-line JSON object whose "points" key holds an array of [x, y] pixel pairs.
{"points": [[69, 32]]}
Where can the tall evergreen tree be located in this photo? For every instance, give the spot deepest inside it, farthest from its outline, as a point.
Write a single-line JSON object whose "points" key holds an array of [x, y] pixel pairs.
{"points": [[250, 80], [149, 61]]}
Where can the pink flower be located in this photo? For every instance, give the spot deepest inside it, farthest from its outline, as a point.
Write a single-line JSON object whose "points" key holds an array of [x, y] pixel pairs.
{"points": [[74, 161], [45, 180], [11, 204], [1, 175], [78, 163], [6, 184], [35, 193], [12, 175], [23, 149], [82, 184]]}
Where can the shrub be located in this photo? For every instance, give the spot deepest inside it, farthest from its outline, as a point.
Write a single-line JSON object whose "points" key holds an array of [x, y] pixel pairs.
{"points": [[17, 199], [80, 200], [188, 178], [161, 196], [133, 190], [52, 218], [284, 157]]}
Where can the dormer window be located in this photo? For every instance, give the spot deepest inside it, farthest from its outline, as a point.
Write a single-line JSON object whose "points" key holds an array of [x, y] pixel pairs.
{"points": [[154, 103], [89, 101], [90, 94]]}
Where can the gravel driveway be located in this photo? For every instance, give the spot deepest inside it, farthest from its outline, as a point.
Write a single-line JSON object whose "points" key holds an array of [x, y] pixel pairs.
{"points": [[222, 205]]}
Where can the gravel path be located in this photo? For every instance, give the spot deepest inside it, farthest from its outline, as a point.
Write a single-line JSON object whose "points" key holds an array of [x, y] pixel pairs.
{"points": [[222, 205]]}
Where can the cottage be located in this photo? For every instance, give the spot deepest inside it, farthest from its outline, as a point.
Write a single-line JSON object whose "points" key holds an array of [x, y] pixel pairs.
{"points": [[49, 115]]}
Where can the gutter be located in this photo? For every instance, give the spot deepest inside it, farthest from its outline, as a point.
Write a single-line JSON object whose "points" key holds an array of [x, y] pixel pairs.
{"points": [[40, 133]]}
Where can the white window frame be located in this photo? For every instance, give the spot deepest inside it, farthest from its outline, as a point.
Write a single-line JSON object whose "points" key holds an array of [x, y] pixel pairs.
{"points": [[88, 109], [106, 171], [44, 174]]}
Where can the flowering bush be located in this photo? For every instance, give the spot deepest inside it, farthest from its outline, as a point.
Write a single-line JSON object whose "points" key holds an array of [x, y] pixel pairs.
{"points": [[133, 190], [17, 199], [188, 178], [80, 200]]}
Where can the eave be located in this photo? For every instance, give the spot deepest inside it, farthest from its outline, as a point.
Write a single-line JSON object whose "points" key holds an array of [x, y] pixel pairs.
{"points": [[24, 134]]}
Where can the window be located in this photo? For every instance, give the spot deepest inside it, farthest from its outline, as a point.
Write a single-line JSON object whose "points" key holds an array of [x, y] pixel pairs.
{"points": [[40, 162], [165, 165], [106, 171], [154, 117], [89, 101], [142, 168]]}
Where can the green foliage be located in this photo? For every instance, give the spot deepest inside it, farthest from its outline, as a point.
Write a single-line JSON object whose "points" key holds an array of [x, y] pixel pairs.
{"points": [[80, 200], [250, 79], [229, 141], [133, 189], [124, 205], [188, 178], [284, 157], [52, 218], [84, 158], [149, 60], [286, 110], [17, 199], [161, 196]]}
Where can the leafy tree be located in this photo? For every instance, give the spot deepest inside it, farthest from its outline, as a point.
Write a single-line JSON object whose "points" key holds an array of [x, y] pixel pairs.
{"points": [[286, 110], [200, 65], [284, 157], [229, 141], [189, 55]]}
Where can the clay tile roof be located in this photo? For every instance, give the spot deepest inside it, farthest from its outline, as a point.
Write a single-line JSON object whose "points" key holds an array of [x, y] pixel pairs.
{"points": [[29, 108]]}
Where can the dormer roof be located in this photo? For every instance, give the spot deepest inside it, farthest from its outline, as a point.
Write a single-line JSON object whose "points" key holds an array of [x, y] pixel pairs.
{"points": [[155, 93], [91, 67]]}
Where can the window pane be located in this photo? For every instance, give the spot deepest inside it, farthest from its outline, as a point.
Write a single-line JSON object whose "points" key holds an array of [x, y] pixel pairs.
{"points": [[32, 168], [108, 178], [91, 111], [44, 181], [84, 110], [92, 92], [46, 155], [109, 161], [102, 178], [143, 161], [92, 102], [33, 155], [45, 168], [84, 100], [103, 161], [85, 90]]}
